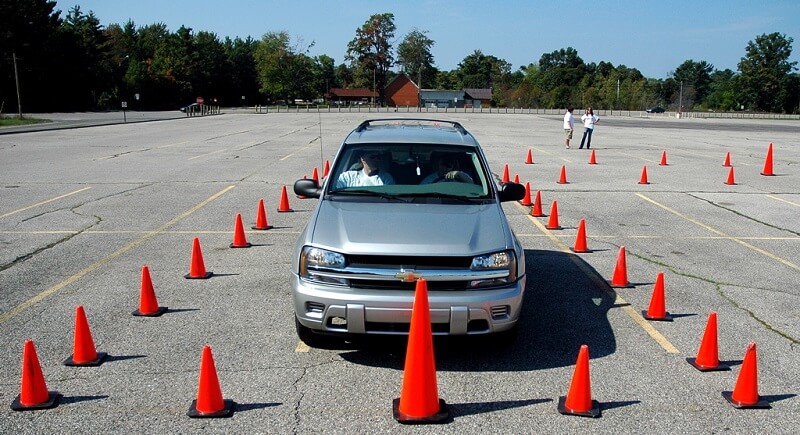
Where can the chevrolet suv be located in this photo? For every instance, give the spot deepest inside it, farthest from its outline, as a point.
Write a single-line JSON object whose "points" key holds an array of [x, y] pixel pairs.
{"points": [[407, 199]]}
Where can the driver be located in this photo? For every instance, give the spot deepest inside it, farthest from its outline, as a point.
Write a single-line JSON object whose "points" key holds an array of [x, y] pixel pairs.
{"points": [[447, 170], [369, 175]]}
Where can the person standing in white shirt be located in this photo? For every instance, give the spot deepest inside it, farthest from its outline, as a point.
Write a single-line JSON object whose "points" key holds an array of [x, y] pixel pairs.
{"points": [[589, 120], [568, 126]]}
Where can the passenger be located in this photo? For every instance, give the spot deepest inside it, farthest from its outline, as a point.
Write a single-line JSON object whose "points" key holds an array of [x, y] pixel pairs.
{"points": [[369, 175], [448, 169]]}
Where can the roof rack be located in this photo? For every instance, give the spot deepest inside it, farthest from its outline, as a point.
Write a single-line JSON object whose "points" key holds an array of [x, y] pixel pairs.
{"points": [[454, 124]]}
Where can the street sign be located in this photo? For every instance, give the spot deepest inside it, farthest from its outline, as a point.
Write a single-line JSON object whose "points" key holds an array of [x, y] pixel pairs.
{"points": [[200, 100], [124, 104]]}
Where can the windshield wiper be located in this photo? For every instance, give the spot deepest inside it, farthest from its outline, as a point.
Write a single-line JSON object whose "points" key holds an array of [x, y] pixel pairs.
{"points": [[460, 198], [363, 192]]}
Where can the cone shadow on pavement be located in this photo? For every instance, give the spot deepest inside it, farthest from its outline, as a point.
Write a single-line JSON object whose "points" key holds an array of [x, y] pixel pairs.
{"points": [[84, 353], [209, 402], [33, 390], [578, 400], [148, 304], [419, 401]]}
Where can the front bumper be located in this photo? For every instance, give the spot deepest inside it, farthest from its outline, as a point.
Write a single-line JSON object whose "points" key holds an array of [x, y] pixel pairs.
{"points": [[332, 309]]}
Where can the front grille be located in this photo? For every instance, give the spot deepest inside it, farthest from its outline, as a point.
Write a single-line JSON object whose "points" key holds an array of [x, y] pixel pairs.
{"points": [[410, 286], [409, 261]]}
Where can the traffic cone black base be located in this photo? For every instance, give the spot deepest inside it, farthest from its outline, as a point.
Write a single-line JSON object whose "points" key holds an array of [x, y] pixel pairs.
{"points": [[593, 413], [157, 313], [101, 358], [226, 411], [718, 368], [761, 404], [52, 402], [206, 276], [443, 416], [667, 317]]}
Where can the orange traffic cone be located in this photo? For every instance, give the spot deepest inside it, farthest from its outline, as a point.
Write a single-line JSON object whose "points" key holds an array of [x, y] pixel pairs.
{"points": [[580, 238], [284, 204], [327, 169], [516, 178], [620, 277], [239, 239], [768, 162], [663, 158], [529, 159], [505, 178], [148, 304], [526, 200], [209, 402], [315, 175], [197, 269], [419, 398], [563, 178], [592, 158], [657, 309], [578, 400], [83, 350], [730, 180], [707, 359], [536, 211], [261, 217], [745, 392], [727, 159], [552, 224], [643, 179], [33, 391]]}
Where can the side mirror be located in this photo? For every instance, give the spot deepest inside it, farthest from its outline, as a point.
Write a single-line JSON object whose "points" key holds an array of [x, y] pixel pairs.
{"points": [[307, 187], [511, 192]]}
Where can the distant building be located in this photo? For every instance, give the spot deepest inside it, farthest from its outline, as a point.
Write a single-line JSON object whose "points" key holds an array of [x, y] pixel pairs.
{"points": [[478, 97], [441, 98], [402, 92], [348, 97]]}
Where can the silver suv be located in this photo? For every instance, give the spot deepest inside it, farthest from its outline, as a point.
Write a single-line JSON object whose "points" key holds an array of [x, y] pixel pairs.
{"points": [[407, 199]]}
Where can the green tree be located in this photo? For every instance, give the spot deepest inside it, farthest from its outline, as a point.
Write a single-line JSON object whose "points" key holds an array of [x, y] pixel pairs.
{"points": [[764, 71], [242, 83], [561, 72], [723, 93], [285, 72], [414, 53], [370, 52], [696, 80]]}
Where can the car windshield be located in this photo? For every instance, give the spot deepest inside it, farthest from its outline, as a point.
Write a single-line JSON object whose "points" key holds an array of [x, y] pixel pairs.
{"points": [[410, 171]]}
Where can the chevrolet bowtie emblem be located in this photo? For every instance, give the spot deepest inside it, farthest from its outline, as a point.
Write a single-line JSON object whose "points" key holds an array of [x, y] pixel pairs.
{"points": [[408, 275]]}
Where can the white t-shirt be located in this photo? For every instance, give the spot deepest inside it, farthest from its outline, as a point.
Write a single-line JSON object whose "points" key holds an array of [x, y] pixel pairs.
{"points": [[589, 120], [360, 179], [568, 121]]}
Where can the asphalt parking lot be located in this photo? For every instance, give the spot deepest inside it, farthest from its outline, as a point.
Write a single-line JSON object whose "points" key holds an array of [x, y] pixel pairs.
{"points": [[82, 210]]}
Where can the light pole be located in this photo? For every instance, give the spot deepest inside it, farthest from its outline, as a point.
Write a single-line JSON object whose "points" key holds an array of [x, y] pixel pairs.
{"points": [[16, 80]]}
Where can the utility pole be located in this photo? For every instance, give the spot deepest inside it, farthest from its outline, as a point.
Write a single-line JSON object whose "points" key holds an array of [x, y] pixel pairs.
{"points": [[16, 80]]}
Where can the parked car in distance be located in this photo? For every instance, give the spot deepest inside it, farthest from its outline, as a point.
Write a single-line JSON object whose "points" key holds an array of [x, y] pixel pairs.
{"points": [[438, 217], [655, 109]]}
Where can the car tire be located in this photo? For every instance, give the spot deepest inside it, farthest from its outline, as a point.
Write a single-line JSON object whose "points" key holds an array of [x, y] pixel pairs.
{"points": [[308, 336]]}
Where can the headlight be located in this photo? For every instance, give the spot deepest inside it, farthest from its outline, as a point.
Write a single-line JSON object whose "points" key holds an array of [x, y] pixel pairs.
{"points": [[500, 261], [315, 259]]}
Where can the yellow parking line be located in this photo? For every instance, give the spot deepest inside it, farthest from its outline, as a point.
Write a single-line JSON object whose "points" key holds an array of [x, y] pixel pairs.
{"points": [[207, 154], [722, 234], [640, 158], [50, 291], [602, 284], [549, 154], [781, 199], [43, 202]]}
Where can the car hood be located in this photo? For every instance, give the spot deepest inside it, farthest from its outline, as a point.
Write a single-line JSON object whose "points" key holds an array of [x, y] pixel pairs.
{"points": [[410, 229]]}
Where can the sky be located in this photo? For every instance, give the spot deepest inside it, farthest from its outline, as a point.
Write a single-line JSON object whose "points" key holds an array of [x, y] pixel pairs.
{"points": [[653, 36]]}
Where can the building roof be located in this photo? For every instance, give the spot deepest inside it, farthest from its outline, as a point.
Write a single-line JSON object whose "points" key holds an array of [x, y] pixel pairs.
{"points": [[479, 94], [352, 93]]}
